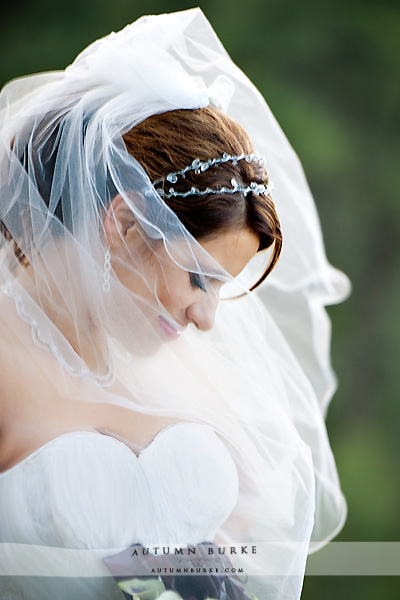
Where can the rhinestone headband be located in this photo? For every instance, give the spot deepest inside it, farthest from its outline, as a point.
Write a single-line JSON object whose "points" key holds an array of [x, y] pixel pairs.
{"points": [[199, 166]]}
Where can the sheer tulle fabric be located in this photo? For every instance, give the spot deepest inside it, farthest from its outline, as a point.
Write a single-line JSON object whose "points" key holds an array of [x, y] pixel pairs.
{"points": [[262, 378]]}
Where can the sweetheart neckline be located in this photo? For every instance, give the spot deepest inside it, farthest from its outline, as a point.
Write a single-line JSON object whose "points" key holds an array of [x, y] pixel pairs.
{"points": [[99, 434]]}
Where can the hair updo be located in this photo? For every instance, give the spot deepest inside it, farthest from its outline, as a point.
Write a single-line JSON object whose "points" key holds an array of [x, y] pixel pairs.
{"points": [[170, 141], [164, 143]]}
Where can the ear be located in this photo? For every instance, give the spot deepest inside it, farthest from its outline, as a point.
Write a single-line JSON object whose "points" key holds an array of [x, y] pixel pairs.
{"points": [[118, 221]]}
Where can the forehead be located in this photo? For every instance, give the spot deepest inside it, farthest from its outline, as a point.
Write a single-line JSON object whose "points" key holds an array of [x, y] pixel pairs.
{"points": [[233, 249]]}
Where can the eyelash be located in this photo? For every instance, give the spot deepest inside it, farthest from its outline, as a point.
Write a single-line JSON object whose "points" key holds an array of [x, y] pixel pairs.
{"points": [[198, 281]]}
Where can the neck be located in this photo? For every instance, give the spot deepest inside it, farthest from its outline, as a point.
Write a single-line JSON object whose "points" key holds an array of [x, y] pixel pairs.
{"points": [[76, 324]]}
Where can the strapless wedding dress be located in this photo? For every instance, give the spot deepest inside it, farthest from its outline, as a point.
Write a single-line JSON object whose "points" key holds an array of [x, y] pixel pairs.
{"points": [[85, 490]]}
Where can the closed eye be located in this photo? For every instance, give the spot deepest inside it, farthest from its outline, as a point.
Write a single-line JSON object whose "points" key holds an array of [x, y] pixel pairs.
{"points": [[198, 281]]}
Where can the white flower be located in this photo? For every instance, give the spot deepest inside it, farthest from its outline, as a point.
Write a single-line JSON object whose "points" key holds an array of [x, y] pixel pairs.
{"points": [[169, 595]]}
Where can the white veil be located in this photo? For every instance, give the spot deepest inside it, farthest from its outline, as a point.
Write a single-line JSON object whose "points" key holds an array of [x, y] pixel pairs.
{"points": [[262, 378]]}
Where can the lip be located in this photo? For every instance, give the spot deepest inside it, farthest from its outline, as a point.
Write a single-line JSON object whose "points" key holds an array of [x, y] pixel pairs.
{"points": [[172, 332]]}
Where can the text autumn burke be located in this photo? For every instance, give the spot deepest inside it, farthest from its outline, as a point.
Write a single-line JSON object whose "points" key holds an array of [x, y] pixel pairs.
{"points": [[211, 549]]}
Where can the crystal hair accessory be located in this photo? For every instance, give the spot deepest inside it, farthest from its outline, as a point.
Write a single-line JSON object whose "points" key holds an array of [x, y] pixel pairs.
{"points": [[199, 166]]}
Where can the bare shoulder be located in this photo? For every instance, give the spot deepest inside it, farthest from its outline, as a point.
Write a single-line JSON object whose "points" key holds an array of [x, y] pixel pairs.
{"points": [[16, 365], [11, 346]]}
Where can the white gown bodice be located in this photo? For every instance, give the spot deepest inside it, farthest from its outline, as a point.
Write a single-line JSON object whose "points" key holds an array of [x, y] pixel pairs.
{"points": [[85, 490]]}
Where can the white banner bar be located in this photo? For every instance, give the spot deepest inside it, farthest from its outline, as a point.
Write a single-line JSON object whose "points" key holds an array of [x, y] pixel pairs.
{"points": [[260, 559]]}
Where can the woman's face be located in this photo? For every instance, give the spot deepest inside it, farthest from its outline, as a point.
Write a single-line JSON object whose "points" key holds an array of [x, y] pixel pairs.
{"points": [[170, 297], [191, 299]]}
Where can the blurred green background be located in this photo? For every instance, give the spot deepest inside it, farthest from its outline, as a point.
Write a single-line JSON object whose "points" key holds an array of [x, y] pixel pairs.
{"points": [[330, 72]]}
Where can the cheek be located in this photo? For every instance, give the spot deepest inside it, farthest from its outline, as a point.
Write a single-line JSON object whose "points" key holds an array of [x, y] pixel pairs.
{"points": [[141, 279], [174, 289]]}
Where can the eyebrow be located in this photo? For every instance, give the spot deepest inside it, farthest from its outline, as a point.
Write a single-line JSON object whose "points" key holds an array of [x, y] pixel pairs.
{"points": [[218, 277]]}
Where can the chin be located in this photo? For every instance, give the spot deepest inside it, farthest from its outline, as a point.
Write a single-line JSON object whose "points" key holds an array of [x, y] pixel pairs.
{"points": [[145, 343]]}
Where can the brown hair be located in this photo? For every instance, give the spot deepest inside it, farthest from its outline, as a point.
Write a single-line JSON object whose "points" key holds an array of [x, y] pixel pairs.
{"points": [[170, 141]]}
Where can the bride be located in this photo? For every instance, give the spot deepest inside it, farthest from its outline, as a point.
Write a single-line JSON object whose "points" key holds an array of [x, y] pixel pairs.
{"points": [[148, 394]]}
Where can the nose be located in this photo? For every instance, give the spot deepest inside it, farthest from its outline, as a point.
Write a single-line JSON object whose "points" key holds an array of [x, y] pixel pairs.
{"points": [[202, 313]]}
